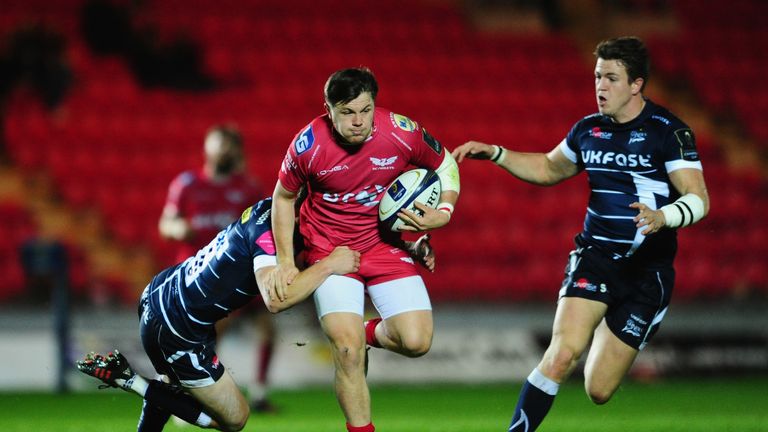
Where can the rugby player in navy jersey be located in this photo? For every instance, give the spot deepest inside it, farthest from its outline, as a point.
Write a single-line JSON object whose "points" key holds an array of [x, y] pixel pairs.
{"points": [[181, 304], [646, 182]]}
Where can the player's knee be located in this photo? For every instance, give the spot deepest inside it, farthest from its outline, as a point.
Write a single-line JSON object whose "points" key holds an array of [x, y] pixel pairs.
{"points": [[599, 396], [235, 423], [416, 345], [349, 354], [558, 362]]}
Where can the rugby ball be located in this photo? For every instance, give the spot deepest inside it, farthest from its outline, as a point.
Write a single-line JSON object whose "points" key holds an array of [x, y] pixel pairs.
{"points": [[418, 184]]}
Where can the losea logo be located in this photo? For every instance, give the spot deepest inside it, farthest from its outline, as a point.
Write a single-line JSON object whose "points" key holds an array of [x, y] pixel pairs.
{"points": [[215, 362], [596, 132], [337, 168]]}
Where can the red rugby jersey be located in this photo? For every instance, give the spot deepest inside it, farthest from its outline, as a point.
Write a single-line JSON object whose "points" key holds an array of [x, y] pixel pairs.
{"points": [[346, 182], [209, 205]]}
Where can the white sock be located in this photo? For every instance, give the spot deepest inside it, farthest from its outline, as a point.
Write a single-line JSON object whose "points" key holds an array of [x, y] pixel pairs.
{"points": [[203, 420], [137, 384], [543, 383], [256, 391]]}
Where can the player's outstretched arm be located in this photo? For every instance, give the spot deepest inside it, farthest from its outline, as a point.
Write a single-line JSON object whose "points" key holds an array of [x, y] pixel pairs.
{"points": [[473, 150], [342, 260], [543, 169]]}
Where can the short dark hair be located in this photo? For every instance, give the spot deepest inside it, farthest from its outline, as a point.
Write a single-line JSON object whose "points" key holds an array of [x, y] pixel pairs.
{"points": [[229, 133], [631, 52], [347, 84]]}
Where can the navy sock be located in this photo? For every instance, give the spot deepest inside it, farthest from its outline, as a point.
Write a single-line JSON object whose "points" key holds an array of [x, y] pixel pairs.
{"points": [[536, 398], [175, 401], [153, 418]]}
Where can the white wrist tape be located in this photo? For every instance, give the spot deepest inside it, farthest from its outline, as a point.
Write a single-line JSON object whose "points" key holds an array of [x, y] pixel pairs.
{"points": [[687, 210], [498, 155], [446, 207]]}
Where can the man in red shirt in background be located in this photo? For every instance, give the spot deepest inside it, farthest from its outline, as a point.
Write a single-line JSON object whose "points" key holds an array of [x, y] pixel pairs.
{"points": [[202, 202], [347, 158]]}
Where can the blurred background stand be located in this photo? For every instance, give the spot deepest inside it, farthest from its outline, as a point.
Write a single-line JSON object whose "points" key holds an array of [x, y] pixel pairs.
{"points": [[46, 268]]}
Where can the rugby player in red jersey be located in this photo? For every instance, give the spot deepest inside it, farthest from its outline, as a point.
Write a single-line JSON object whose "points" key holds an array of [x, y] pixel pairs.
{"points": [[346, 158], [202, 202]]}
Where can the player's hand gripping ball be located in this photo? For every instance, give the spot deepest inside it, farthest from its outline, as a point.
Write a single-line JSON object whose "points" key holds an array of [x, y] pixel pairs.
{"points": [[418, 184]]}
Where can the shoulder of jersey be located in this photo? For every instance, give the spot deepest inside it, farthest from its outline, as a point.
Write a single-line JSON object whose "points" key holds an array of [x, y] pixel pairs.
{"points": [[398, 122], [259, 211], [592, 117], [665, 118], [318, 128]]}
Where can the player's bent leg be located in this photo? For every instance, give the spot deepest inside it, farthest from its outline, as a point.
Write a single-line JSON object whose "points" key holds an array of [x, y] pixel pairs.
{"points": [[608, 361], [346, 336], [224, 402], [408, 333], [575, 322], [406, 310]]}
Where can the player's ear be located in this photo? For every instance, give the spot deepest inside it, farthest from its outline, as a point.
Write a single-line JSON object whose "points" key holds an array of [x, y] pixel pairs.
{"points": [[636, 86]]}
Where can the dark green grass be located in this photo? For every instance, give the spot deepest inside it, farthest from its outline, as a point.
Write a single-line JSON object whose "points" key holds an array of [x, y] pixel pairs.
{"points": [[671, 405]]}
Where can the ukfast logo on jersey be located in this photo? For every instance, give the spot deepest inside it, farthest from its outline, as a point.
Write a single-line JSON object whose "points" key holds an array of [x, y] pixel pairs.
{"points": [[631, 160], [383, 163], [304, 141]]}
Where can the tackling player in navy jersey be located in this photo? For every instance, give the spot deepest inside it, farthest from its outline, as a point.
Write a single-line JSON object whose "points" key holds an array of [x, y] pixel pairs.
{"points": [[646, 182], [179, 308]]}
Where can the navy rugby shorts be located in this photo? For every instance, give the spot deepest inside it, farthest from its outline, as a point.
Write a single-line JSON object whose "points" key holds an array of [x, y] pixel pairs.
{"points": [[191, 364], [637, 295]]}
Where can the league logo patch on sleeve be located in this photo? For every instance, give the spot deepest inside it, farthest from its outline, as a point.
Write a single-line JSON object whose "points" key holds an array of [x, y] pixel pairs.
{"points": [[304, 141], [246, 215], [431, 141], [687, 144], [403, 122]]}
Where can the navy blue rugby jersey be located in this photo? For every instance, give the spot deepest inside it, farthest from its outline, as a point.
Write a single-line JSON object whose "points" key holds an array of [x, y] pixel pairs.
{"points": [[219, 279], [626, 163]]}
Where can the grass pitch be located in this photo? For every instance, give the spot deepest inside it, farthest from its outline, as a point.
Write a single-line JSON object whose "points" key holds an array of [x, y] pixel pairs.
{"points": [[716, 404]]}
